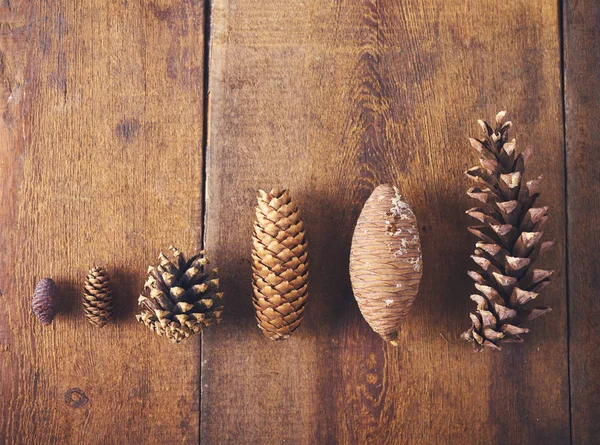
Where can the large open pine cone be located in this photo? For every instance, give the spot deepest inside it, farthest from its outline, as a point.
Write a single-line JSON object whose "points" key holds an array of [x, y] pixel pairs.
{"points": [[510, 240], [180, 297], [279, 264]]}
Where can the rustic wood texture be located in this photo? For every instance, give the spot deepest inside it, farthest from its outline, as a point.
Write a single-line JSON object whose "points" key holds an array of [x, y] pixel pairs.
{"points": [[101, 163], [101, 118], [331, 99], [582, 114]]}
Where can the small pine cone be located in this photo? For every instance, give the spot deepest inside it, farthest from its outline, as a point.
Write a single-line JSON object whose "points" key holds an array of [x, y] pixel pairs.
{"points": [[45, 300], [97, 297], [386, 261], [279, 265], [510, 234], [180, 296]]}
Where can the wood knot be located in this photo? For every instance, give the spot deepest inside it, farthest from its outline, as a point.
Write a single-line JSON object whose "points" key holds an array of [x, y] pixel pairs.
{"points": [[127, 129], [76, 398]]}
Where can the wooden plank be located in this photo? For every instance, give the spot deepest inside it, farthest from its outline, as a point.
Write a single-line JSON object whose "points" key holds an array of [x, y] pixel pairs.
{"points": [[582, 89], [331, 99], [101, 160]]}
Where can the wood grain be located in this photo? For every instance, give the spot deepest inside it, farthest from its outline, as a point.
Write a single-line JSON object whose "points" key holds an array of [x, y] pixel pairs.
{"points": [[101, 117], [582, 90], [330, 99], [101, 161]]}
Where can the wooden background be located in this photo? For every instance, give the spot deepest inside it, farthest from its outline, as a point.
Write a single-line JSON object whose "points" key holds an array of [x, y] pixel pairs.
{"points": [[126, 126]]}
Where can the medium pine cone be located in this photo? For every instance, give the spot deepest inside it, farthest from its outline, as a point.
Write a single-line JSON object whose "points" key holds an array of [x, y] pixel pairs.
{"points": [[511, 240], [180, 296], [279, 265], [385, 261], [45, 300], [97, 297]]}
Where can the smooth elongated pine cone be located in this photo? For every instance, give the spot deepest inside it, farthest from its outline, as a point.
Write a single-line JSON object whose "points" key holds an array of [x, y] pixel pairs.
{"points": [[510, 237], [45, 300], [386, 261], [97, 297], [279, 264], [180, 296]]}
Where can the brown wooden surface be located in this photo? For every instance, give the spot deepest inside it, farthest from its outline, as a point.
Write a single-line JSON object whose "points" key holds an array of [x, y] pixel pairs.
{"points": [[101, 160], [331, 99], [582, 106], [100, 148]]}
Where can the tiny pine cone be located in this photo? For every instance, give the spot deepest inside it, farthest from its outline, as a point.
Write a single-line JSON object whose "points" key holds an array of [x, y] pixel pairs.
{"points": [[45, 301]]}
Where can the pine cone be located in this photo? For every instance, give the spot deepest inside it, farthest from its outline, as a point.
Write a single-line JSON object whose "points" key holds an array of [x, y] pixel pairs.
{"points": [[385, 261], [45, 300], [97, 297], [510, 234], [279, 265], [180, 297]]}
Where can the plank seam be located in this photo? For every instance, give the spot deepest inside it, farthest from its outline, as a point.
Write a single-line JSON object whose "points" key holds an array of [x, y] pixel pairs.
{"points": [[205, 144], [562, 25]]}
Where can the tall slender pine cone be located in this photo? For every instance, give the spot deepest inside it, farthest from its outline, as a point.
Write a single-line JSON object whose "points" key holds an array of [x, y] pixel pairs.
{"points": [[97, 297], [510, 240], [279, 264], [385, 261], [180, 296], [45, 300]]}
